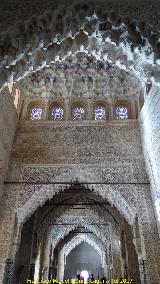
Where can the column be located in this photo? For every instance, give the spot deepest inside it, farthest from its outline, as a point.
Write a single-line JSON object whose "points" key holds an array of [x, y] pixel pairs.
{"points": [[67, 106], [45, 263], [151, 264], [7, 224], [133, 265], [60, 270], [124, 264]]}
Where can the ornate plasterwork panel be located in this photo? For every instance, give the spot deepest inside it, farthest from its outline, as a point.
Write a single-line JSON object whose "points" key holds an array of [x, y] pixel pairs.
{"points": [[48, 174], [43, 143], [41, 193], [59, 232], [150, 125]]}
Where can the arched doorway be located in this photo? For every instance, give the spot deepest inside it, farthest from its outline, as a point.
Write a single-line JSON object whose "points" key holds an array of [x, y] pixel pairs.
{"points": [[47, 237], [83, 260]]}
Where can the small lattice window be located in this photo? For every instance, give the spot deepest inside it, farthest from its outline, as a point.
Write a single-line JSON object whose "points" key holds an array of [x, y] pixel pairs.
{"points": [[100, 113], [57, 113], [121, 112], [78, 113], [36, 113]]}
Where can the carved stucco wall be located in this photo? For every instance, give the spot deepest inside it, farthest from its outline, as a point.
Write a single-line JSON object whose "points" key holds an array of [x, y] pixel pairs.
{"points": [[78, 143], [44, 143], [115, 154], [8, 123], [150, 131], [88, 150]]}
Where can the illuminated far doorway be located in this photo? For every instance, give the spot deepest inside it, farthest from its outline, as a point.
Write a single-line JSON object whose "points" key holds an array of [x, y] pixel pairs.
{"points": [[85, 275], [83, 257]]}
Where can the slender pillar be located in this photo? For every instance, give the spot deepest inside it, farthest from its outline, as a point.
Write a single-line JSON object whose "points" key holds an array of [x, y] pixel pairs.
{"points": [[45, 259], [9, 270], [133, 265], [9, 233], [60, 271]]}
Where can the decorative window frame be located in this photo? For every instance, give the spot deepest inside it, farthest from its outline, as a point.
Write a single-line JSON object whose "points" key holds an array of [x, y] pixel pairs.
{"points": [[31, 106], [104, 105], [122, 103], [81, 105], [56, 105], [88, 107]]}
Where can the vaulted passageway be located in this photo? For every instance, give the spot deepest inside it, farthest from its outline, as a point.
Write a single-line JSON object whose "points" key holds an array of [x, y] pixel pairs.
{"points": [[61, 239]]}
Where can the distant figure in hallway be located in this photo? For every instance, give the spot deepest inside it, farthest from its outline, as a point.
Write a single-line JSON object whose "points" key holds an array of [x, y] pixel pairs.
{"points": [[103, 280], [92, 278]]}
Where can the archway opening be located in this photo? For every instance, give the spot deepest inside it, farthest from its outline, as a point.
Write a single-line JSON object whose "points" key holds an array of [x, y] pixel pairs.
{"points": [[73, 219], [83, 261], [85, 274]]}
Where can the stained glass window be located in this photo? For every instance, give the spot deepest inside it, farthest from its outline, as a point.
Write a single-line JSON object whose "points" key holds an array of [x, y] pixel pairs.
{"points": [[121, 112], [78, 113], [99, 113], [57, 113], [36, 113]]}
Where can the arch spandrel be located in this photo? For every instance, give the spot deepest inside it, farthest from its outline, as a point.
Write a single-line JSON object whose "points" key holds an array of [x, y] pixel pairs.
{"points": [[41, 193]]}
